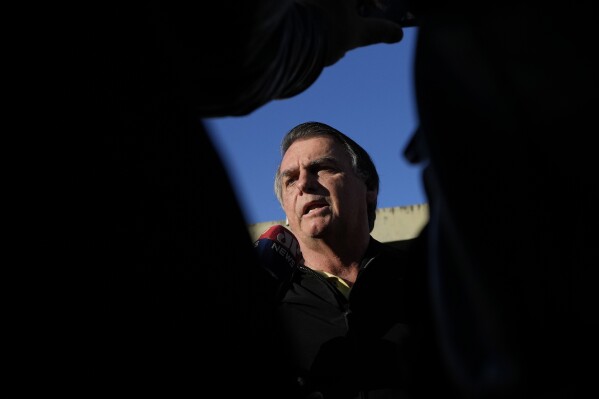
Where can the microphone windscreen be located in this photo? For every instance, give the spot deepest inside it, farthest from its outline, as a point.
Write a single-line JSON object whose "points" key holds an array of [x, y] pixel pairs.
{"points": [[278, 251]]}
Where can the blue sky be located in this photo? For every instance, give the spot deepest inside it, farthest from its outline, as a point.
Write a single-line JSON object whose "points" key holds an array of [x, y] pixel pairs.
{"points": [[368, 95]]}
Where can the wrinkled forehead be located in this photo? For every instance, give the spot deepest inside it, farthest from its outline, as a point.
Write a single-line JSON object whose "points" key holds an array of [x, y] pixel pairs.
{"points": [[313, 149]]}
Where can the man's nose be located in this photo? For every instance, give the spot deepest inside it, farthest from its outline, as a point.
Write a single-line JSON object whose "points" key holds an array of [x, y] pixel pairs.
{"points": [[307, 182]]}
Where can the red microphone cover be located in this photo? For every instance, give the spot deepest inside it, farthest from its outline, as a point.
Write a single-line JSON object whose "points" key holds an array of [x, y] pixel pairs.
{"points": [[278, 251]]}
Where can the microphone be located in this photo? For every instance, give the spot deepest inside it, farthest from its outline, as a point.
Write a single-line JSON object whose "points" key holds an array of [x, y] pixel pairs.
{"points": [[278, 252]]}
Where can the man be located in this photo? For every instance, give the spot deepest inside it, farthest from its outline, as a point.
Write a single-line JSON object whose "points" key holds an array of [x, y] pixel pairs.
{"points": [[349, 319], [505, 98]]}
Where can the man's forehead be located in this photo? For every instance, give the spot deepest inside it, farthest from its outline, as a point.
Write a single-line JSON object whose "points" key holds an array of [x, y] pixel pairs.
{"points": [[294, 163]]}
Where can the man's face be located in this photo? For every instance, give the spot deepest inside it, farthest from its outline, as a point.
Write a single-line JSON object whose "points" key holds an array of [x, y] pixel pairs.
{"points": [[320, 191]]}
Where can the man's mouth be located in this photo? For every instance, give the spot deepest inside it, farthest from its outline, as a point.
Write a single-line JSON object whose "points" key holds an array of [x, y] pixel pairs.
{"points": [[314, 206]]}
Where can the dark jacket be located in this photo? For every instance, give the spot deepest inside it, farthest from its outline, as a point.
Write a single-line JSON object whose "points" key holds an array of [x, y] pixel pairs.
{"points": [[364, 346], [157, 283]]}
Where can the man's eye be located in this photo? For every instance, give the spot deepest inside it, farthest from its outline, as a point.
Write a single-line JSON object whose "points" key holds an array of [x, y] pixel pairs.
{"points": [[290, 181]]}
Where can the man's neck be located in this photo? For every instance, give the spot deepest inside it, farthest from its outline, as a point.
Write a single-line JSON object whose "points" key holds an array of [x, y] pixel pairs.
{"points": [[339, 259]]}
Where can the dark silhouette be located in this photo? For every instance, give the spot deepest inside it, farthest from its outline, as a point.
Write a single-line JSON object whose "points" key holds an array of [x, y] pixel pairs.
{"points": [[506, 96], [161, 285]]}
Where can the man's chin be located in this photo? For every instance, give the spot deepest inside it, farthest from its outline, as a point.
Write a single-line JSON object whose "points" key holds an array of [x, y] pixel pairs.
{"points": [[316, 229]]}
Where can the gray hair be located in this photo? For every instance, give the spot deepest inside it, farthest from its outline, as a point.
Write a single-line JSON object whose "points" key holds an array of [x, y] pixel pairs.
{"points": [[361, 162]]}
